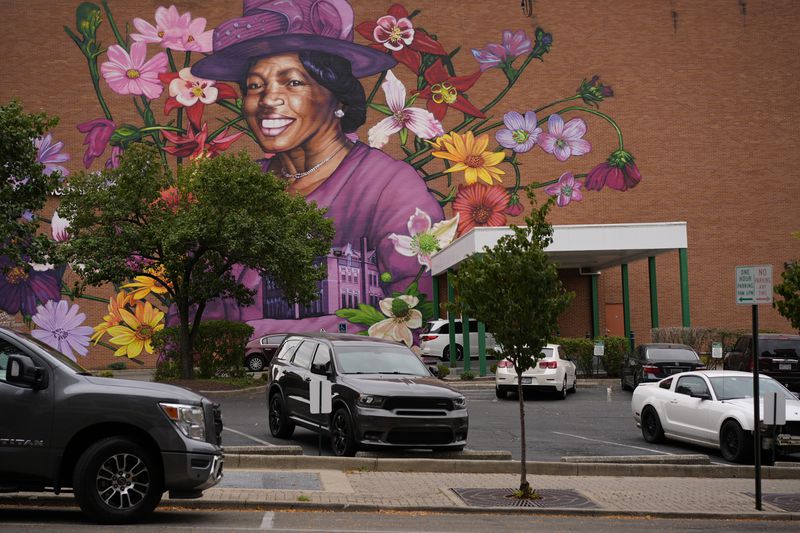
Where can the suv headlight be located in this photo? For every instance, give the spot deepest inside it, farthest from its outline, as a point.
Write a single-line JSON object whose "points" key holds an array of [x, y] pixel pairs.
{"points": [[460, 402], [189, 419], [370, 400]]}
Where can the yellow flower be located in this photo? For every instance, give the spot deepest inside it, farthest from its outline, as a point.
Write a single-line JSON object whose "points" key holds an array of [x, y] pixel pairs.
{"points": [[438, 142], [144, 285], [470, 155], [113, 318], [138, 330]]}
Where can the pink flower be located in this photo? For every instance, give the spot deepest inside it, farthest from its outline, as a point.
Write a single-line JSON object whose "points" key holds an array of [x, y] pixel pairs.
{"points": [[424, 240], [566, 189], [564, 140], [59, 227], [195, 145], [50, 155], [98, 132], [175, 31], [130, 74], [421, 122], [501, 55], [113, 160], [619, 172], [192, 93], [514, 207]]}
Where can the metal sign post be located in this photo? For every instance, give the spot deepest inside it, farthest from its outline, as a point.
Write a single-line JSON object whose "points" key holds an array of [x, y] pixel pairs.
{"points": [[754, 287]]}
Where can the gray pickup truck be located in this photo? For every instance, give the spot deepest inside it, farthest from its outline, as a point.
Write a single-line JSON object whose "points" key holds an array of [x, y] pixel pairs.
{"points": [[118, 444]]}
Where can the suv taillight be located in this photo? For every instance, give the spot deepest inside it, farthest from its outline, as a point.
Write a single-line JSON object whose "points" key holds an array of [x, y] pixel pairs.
{"points": [[548, 364], [505, 363], [428, 337]]}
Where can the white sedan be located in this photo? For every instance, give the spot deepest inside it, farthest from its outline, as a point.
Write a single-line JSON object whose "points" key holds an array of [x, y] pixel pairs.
{"points": [[553, 372], [712, 408]]}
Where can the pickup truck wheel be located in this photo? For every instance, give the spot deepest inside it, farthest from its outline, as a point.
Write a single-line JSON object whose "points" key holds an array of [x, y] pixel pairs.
{"points": [[651, 426], [735, 443], [279, 424], [116, 481]]}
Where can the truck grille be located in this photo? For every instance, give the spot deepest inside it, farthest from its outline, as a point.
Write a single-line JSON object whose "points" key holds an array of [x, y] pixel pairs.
{"points": [[414, 403]]}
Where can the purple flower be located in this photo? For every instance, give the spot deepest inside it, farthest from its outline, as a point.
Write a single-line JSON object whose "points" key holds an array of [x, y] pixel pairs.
{"points": [[50, 155], [567, 189], [60, 327], [113, 161], [501, 55], [21, 289], [564, 140], [98, 132], [520, 133], [619, 172]]}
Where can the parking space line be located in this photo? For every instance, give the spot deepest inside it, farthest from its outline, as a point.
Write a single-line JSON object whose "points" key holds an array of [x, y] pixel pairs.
{"points": [[265, 443], [267, 521], [613, 443]]}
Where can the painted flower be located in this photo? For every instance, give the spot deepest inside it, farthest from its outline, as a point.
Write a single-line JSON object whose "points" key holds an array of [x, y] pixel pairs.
{"points": [[59, 227], [193, 93], [113, 159], [137, 332], [520, 133], [480, 205], [171, 199], [567, 189], [175, 31], [592, 92], [113, 318], [618, 172], [444, 91], [60, 328], [98, 132], [402, 319], [424, 240], [501, 55], [514, 207], [132, 74], [194, 144], [422, 123], [50, 155], [21, 289], [395, 34], [144, 285], [470, 155], [564, 140]]}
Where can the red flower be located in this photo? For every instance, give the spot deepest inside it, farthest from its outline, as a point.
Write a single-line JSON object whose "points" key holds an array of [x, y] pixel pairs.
{"points": [[480, 205], [395, 34], [192, 93], [618, 172], [172, 198], [444, 90], [194, 144]]}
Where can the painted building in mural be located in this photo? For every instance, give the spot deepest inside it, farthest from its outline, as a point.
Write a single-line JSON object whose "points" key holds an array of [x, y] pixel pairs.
{"points": [[424, 120]]}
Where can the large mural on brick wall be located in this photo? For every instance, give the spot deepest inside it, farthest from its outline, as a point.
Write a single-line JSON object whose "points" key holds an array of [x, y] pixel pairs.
{"points": [[286, 75]]}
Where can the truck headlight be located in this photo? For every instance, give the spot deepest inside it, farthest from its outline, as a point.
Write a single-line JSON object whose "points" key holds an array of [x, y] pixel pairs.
{"points": [[460, 402], [370, 400], [189, 419]]}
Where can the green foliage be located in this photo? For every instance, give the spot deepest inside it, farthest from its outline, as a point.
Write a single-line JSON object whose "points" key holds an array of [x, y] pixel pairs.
{"points": [[23, 185], [580, 350], [493, 368], [167, 369], [104, 374], [467, 375], [614, 354], [196, 225], [444, 370], [218, 351], [117, 365], [789, 290], [699, 338]]}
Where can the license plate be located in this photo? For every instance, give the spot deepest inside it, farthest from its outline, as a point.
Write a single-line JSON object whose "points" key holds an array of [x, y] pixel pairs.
{"points": [[527, 381], [675, 370], [785, 366]]}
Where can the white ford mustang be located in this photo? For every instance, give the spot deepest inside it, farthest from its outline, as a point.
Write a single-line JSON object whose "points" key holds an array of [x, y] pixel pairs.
{"points": [[713, 408]]}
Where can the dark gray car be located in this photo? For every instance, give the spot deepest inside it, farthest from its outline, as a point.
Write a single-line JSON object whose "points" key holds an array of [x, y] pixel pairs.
{"points": [[383, 395]]}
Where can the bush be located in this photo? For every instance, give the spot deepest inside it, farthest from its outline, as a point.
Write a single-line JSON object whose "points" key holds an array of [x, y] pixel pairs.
{"points": [[467, 375], [219, 349], [117, 365], [493, 368], [581, 350], [105, 374], [444, 370], [699, 338]]}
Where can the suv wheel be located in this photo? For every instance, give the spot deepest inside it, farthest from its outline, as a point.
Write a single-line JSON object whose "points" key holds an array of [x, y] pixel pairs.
{"points": [[343, 441], [117, 481], [279, 424], [459, 353], [255, 362]]}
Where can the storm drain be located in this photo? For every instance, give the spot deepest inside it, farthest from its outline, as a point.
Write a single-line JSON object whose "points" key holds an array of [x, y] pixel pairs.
{"points": [[787, 502], [550, 499], [271, 480]]}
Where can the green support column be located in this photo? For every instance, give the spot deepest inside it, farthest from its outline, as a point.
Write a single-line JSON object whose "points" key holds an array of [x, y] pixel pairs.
{"points": [[626, 302], [435, 289], [451, 328], [595, 309], [465, 341], [684, 267], [481, 348], [651, 266]]}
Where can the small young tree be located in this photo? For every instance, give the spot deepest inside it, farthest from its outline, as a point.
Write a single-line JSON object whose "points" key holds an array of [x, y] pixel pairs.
{"points": [[24, 186], [187, 231], [789, 290], [515, 290]]}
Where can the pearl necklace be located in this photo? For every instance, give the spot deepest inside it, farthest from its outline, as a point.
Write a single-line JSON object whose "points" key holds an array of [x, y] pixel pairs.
{"points": [[316, 167]]}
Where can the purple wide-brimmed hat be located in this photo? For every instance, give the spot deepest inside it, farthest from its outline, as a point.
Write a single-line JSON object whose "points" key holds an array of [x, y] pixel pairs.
{"points": [[270, 27]]}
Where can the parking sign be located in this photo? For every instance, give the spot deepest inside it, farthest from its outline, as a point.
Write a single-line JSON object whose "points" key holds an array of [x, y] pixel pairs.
{"points": [[754, 284]]}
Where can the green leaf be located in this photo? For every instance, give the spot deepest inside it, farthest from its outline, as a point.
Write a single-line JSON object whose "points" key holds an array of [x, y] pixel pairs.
{"points": [[413, 98], [365, 314], [381, 108], [403, 136]]}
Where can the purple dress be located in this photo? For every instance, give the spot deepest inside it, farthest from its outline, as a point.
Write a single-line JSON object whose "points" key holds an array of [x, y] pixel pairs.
{"points": [[369, 196]]}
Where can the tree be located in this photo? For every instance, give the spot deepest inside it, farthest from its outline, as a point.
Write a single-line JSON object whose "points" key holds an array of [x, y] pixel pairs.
{"points": [[515, 290], [24, 185], [789, 290], [186, 231]]}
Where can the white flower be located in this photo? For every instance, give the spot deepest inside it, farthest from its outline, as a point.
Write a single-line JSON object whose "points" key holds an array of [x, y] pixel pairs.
{"points": [[402, 319], [423, 240]]}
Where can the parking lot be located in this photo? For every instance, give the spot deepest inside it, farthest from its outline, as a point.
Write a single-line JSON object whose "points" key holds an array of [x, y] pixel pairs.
{"points": [[595, 421]]}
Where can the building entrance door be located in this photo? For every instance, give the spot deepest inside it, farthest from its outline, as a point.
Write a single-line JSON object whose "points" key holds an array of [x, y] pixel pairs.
{"points": [[615, 320]]}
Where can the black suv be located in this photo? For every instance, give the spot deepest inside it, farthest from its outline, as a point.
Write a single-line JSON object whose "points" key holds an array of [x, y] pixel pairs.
{"points": [[779, 357], [383, 395]]}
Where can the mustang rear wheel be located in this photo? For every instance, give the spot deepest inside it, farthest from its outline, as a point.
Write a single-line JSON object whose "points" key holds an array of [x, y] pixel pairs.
{"points": [[651, 426], [735, 443]]}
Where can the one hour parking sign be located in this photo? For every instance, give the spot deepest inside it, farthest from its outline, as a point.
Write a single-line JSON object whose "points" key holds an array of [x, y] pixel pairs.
{"points": [[754, 284]]}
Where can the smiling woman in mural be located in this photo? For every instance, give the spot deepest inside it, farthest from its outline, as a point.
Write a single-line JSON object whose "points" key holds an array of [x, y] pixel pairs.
{"points": [[298, 68]]}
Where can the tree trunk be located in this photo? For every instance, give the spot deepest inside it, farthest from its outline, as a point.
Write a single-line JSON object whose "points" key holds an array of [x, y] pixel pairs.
{"points": [[185, 342], [524, 486]]}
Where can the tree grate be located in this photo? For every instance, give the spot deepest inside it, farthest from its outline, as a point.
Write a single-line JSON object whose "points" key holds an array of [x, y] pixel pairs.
{"points": [[787, 502], [550, 499]]}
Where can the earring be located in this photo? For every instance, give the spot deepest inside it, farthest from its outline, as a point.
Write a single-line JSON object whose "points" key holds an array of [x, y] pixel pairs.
{"points": [[338, 113]]}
